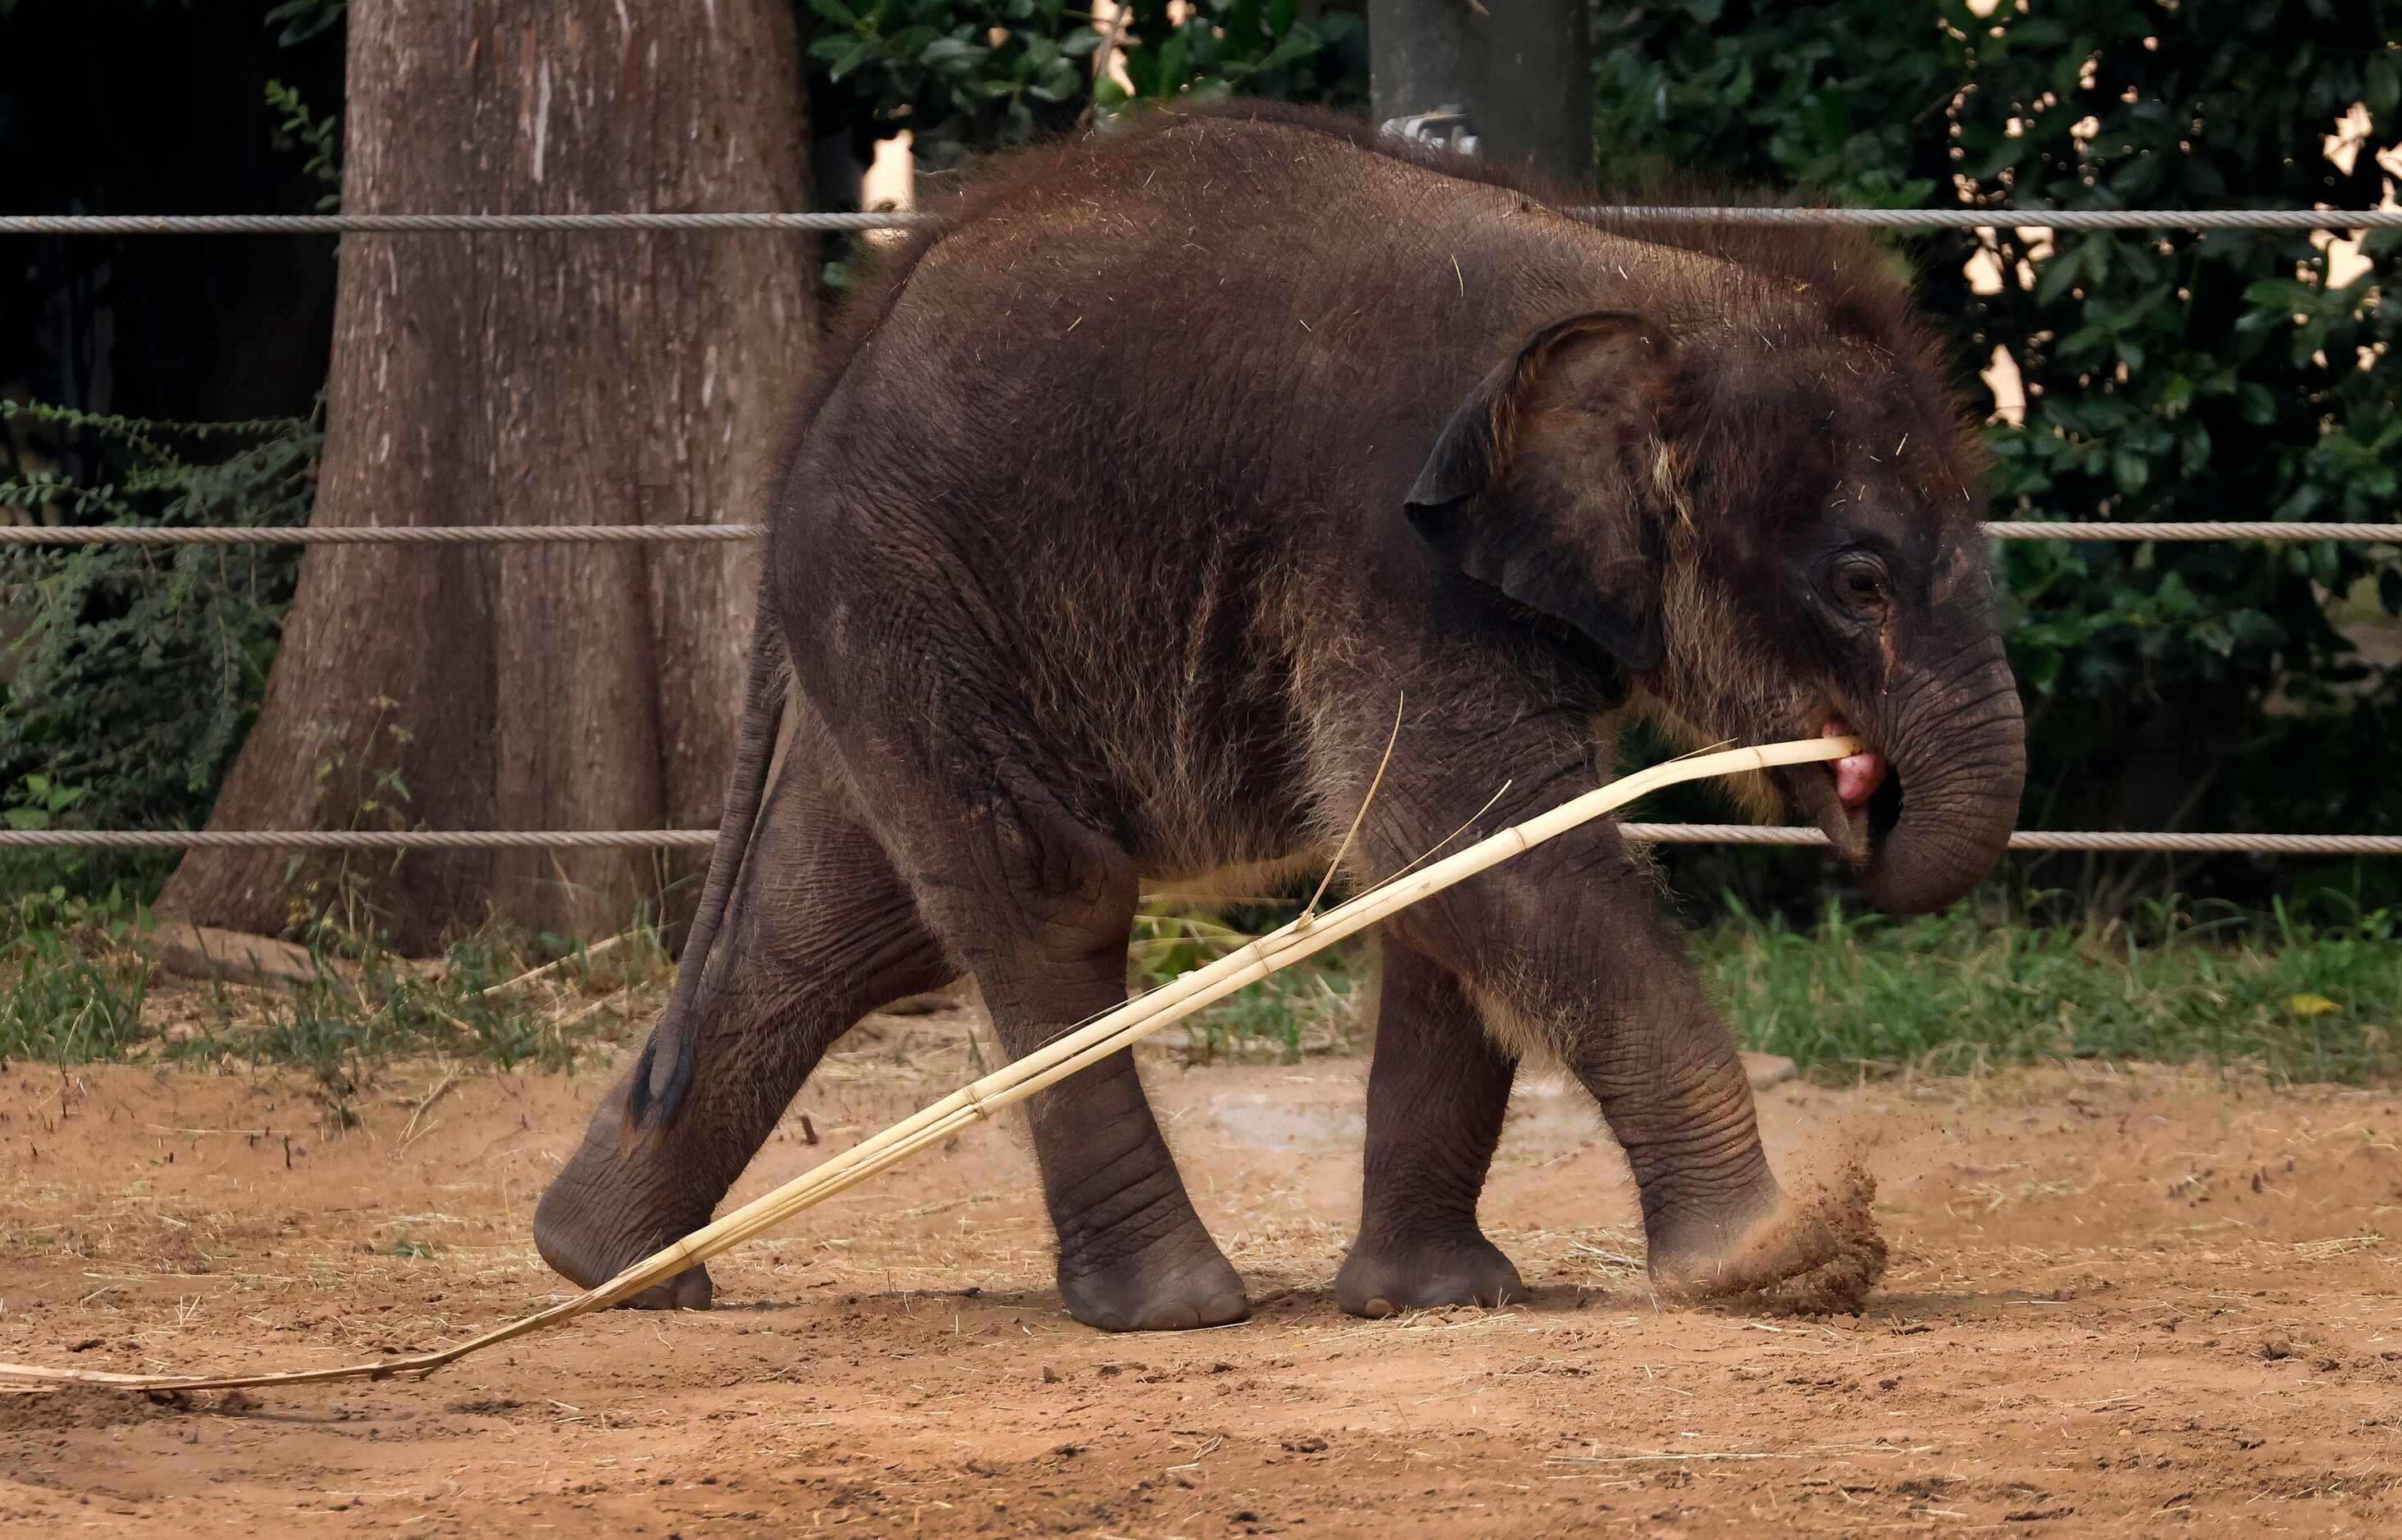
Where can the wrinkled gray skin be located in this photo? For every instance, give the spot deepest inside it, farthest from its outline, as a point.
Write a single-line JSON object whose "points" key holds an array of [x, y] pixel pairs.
{"points": [[1118, 527]]}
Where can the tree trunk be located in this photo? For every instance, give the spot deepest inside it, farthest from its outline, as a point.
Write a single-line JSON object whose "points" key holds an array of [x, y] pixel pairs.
{"points": [[568, 379]]}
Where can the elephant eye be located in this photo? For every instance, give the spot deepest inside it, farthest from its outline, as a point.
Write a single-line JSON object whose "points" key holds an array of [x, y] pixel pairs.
{"points": [[1860, 581]]}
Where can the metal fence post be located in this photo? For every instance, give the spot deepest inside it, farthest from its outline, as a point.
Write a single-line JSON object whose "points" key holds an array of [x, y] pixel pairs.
{"points": [[1519, 71]]}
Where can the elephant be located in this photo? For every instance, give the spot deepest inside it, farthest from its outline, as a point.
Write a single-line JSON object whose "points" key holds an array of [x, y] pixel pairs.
{"points": [[1128, 511]]}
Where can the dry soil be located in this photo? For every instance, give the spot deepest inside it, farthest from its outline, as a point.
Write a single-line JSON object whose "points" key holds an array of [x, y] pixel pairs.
{"points": [[2119, 1302]]}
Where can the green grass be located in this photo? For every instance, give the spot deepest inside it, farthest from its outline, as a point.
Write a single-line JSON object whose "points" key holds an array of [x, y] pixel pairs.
{"points": [[62, 1001], [2252, 994], [75, 981], [2258, 995], [1313, 1008], [1948, 994]]}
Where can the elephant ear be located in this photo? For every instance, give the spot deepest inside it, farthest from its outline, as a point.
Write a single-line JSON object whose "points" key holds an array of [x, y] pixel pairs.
{"points": [[1533, 488]]}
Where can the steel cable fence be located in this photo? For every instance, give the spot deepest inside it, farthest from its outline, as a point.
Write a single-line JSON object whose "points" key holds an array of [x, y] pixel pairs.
{"points": [[542, 534], [666, 839], [383, 534], [1667, 833], [589, 224], [1681, 834]]}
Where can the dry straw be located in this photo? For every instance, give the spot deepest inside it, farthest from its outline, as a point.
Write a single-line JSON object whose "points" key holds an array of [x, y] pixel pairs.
{"points": [[1053, 1063]]}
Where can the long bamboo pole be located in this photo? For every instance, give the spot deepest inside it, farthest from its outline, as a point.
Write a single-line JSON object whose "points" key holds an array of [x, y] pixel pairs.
{"points": [[1022, 1078]]}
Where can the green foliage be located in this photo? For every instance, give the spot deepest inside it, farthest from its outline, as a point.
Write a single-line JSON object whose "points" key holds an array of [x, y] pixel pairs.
{"points": [[298, 20], [1227, 48], [303, 129], [2269, 994], [2169, 376], [125, 696], [78, 986], [356, 1014], [1311, 1008], [1946, 993], [965, 74], [69, 992]]}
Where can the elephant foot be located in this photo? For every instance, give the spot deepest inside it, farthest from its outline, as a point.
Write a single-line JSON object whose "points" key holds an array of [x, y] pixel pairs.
{"points": [[590, 1232], [1816, 1255], [1385, 1278], [1178, 1281]]}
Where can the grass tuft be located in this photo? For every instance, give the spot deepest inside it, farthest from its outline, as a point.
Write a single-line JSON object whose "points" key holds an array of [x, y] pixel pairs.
{"points": [[1313, 1008], [1847, 995], [1948, 994], [76, 986]]}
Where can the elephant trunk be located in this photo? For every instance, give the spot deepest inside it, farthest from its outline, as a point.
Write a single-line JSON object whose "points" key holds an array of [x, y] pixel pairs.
{"points": [[1957, 743]]}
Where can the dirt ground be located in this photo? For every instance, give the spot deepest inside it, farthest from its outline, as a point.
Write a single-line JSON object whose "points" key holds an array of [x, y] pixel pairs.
{"points": [[2118, 1302]]}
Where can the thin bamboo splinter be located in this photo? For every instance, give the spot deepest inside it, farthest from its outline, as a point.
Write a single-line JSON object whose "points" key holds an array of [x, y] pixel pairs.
{"points": [[1022, 1078]]}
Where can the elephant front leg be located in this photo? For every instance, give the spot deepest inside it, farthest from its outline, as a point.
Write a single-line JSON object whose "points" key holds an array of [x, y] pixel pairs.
{"points": [[1437, 1090], [1566, 955], [1672, 1088]]}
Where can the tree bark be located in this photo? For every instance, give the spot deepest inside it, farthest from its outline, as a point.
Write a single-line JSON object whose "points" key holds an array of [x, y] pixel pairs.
{"points": [[569, 379]]}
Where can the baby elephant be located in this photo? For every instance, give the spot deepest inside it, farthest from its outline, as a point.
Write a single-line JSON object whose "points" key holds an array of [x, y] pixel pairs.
{"points": [[1125, 513]]}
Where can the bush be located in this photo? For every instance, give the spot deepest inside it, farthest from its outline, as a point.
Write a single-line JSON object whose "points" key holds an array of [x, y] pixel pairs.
{"points": [[966, 75], [125, 694], [2168, 376]]}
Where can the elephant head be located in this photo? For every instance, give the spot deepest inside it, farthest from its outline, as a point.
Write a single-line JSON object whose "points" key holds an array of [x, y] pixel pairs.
{"points": [[1767, 524]]}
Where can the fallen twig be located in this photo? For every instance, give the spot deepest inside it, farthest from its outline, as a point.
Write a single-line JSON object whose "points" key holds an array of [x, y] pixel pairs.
{"points": [[550, 968]]}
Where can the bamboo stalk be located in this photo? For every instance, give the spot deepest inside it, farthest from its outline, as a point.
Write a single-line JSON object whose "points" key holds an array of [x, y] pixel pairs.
{"points": [[1022, 1078]]}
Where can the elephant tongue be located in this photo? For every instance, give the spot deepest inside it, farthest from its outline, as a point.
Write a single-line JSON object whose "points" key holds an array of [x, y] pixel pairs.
{"points": [[1857, 775], [1815, 789]]}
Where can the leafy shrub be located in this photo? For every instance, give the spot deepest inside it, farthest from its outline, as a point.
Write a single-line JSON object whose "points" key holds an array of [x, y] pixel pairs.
{"points": [[964, 75], [137, 671], [2167, 375]]}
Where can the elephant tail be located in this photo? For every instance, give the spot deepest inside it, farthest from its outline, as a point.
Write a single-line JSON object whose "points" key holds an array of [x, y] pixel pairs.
{"points": [[664, 1070]]}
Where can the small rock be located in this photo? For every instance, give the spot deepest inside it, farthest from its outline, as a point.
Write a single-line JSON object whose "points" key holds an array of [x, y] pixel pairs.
{"points": [[2276, 1347], [205, 952], [1769, 1069]]}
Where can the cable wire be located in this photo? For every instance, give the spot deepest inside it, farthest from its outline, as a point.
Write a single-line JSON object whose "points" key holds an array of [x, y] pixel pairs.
{"points": [[541, 534], [480, 224], [650, 839], [381, 534]]}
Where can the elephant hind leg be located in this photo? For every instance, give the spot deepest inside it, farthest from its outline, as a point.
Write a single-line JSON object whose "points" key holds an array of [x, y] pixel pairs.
{"points": [[1436, 1090], [823, 931], [1039, 905]]}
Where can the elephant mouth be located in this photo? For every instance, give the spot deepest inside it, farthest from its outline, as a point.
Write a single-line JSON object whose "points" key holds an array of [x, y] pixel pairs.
{"points": [[1855, 800], [1857, 775]]}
